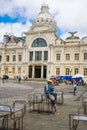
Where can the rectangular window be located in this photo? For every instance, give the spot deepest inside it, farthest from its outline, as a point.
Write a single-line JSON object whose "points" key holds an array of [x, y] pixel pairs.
{"points": [[14, 58], [46, 55], [57, 71], [13, 70], [38, 55], [7, 58], [76, 56], [85, 56], [31, 56], [85, 71], [19, 57], [19, 70], [57, 56], [76, 71], [67, 57], [0, 58], [67, 71]]}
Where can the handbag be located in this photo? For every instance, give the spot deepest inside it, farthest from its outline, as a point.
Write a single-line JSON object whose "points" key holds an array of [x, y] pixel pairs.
{"points": [[51, 97]]}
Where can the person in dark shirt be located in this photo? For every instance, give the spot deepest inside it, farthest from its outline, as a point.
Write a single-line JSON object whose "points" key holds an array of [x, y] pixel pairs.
{"points": [[19, 79]]}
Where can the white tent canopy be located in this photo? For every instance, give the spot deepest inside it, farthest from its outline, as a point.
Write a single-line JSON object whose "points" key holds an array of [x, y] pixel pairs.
{"points": [[78, 76]]}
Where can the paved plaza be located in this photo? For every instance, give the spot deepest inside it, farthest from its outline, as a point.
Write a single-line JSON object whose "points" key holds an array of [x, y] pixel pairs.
{"points": [[12, 90]]}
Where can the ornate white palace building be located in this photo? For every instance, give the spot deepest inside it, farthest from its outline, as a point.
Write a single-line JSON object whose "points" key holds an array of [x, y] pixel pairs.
{"points": [[42, 53]]}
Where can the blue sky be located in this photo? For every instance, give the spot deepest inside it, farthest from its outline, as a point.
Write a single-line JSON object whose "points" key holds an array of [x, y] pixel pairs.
{"points": [[16, 16], [7, 19]]}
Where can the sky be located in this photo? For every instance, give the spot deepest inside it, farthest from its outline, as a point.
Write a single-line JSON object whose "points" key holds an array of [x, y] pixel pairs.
{"points": [[16, 16]]}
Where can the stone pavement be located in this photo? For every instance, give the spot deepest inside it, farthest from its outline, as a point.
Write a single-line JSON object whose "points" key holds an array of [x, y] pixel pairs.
{"points": [[11, 90]]}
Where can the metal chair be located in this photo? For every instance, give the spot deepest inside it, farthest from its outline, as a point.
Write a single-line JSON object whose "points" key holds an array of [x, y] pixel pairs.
{"points": [[84, 104], [47, 106], [35, 102], [74, 119], [5, 111], [18, 112]]}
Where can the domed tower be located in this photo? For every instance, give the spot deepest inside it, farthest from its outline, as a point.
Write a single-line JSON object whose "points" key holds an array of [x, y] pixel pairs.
{"points": [[44, 19], [40, 40]]}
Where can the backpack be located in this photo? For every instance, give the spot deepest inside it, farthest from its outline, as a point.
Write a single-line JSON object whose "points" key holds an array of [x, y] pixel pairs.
{"points": [[46, 91]]}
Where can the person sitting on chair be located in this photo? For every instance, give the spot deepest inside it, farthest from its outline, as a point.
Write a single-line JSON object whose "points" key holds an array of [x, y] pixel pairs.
{"points": [[51, 95]]}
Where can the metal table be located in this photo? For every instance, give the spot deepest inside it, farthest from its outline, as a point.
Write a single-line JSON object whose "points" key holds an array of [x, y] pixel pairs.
{"points": [[14, 113], [74, 120], [5, 111]]}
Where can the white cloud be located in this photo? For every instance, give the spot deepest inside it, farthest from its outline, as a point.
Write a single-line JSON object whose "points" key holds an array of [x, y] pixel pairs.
{"points": [[70, 15], [16, 28]]}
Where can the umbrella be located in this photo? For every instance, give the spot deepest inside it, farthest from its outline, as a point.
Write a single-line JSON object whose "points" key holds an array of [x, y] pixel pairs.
{"points": [[78, 76]]}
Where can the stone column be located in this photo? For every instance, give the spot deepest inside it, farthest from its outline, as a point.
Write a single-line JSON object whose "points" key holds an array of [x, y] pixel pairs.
{"points": [[42, 55], [33, 71], [33, 55], [42, 72]]}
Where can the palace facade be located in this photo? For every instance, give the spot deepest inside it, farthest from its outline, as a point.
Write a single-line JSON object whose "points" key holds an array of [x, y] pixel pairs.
{"points": [[42, 53]]}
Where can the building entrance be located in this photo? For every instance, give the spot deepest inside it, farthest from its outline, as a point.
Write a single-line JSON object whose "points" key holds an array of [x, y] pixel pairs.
{"points": [[37, 72]]}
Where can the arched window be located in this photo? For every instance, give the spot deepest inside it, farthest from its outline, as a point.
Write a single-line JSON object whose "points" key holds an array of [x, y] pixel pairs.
{"points": [[39, 42]]}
